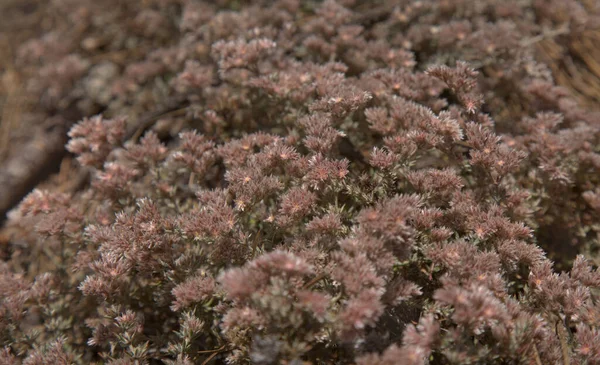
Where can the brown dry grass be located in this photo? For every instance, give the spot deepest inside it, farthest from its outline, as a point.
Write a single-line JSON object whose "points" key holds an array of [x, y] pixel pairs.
{"points": [[576, 65], [20, 20]]}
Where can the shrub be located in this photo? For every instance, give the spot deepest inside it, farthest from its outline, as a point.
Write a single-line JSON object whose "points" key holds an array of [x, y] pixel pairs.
{"points": [[341, 182]]}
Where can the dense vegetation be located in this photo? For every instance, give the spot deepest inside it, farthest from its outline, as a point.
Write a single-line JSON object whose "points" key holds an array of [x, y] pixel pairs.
{"points": [[306, 182]]}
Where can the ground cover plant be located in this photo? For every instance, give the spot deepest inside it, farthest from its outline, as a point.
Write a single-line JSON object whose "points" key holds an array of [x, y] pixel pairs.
{"points": [[309, 182]]}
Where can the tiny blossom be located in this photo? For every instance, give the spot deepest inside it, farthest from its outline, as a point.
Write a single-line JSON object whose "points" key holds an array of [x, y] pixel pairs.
{"points": [[193, 290], [362, 311], [462, 81], [93, 139], [149, 151], [473, 306], [283, 263], [196, 152], [323, 170], [240, 53], [588, 343], [329, 223], [340, 101], [321, 137], [382, 159], [297, 203]]}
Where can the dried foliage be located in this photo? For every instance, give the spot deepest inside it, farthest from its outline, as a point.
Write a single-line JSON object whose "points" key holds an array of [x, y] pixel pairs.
{"points": [[348, 182]]}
